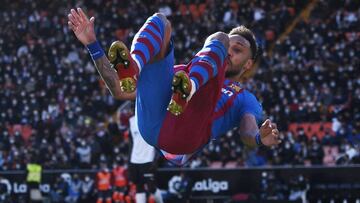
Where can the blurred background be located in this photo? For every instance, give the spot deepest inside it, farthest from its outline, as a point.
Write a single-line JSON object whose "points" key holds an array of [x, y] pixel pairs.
{"points": [[56, 112]]}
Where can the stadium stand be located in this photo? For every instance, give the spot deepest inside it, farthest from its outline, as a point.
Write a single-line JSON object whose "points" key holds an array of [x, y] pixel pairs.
{"points": [[55, 108]]}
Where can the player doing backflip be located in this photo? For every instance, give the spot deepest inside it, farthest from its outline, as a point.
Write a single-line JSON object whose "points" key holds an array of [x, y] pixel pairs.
{"points": [[181, 108]]}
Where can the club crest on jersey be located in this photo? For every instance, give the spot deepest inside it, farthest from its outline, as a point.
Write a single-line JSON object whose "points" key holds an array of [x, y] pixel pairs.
{"points": [[235, 87], [231, 89]]}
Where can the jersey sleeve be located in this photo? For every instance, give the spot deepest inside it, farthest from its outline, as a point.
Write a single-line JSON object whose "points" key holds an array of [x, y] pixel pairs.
{"points": [[249, 104]]}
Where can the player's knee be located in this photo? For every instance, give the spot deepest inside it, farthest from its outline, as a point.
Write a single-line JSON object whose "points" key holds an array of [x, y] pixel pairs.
{"points": [[163, 18], [166, 40], [221, 36], [165, 21], [168, 27]]}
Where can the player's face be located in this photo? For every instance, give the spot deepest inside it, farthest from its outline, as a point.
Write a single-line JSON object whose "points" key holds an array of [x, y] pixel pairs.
{"points": [[239, 56]]}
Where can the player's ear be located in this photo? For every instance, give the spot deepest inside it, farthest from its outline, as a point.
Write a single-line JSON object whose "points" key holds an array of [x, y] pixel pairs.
{"points": [[249, 65], [249, 70]]}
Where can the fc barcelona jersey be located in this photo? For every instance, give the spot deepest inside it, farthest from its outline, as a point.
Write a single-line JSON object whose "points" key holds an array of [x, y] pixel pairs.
{"points": [[234, 102]]}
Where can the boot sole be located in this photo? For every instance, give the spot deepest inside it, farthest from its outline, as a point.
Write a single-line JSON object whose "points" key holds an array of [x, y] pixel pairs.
{"points": [[181, 89], [120, 54]]}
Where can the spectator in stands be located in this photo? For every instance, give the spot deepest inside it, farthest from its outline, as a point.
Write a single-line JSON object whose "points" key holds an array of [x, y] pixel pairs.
{"points": [[87, 189], [271, 187], [316, 153], [350, 155], [75, 189], [59, 190], [84, 154], [298, 188]]}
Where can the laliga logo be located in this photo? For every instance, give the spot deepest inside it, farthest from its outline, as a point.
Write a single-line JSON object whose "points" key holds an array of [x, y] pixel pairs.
{"points": [[210, 185], [22, 188]]}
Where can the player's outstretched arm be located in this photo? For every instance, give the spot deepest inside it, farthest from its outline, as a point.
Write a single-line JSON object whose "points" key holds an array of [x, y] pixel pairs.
{"points": [[83, 28], [251, 135], [269, 134]]}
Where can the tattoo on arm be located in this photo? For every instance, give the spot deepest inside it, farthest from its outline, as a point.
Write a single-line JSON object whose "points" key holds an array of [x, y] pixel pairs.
{"points": [[108, 74]]}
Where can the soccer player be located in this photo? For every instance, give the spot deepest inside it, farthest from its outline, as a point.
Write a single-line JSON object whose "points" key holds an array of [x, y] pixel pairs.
{"points": [[180, 109], [142, 167]]}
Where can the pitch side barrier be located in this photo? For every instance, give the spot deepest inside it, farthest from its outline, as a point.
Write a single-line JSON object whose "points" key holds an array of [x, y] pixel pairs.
{"points": [[324, 182]]}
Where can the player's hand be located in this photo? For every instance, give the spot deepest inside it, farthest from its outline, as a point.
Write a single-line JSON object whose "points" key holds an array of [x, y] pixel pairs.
{"points": [[81, 25], [269, 133]]}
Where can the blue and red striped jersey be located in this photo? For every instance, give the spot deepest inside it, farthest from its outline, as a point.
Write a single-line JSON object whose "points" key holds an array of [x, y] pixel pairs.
{"points": [[234, 102]]}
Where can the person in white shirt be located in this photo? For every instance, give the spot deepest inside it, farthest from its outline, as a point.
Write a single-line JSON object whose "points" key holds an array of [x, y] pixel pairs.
{"points": [[141, 166], [84, 154]]}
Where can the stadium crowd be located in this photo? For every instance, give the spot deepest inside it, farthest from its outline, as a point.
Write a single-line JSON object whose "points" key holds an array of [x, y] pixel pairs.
{"points": [[55, 108], [312, 76]]}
